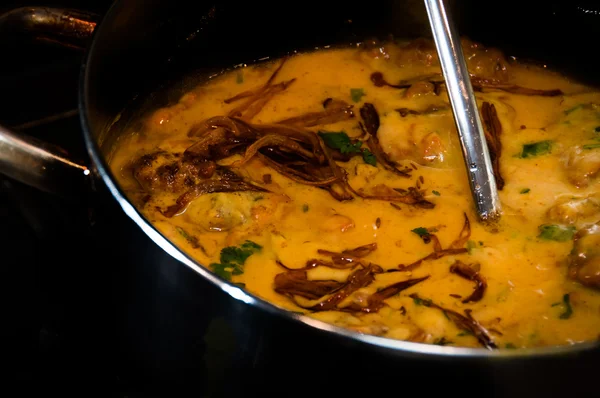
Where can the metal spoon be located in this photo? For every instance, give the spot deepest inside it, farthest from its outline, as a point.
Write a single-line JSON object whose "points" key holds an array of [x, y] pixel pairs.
{"points": [[464, 108]]}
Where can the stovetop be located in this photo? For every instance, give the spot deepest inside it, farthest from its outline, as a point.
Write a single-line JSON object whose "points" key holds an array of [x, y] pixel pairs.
{"points": [[78, 319]]}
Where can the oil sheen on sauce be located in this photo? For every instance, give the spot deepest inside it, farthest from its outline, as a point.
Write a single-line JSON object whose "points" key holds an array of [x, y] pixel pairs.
{"points": [[547, 147]]}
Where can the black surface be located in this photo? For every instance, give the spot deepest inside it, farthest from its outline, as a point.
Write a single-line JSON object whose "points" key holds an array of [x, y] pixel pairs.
{"points": [[89, 306]]}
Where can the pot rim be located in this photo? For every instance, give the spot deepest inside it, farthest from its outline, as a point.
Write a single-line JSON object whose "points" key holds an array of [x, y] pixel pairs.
{"points": [[400, 347]]}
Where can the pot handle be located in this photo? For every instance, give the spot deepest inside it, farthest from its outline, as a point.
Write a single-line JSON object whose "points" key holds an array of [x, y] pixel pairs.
{"points": [[40, 165], [68, 28], [27, 159]]}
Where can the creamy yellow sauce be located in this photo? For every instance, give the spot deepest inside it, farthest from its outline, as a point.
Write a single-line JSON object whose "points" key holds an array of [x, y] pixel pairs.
{"points": [[526, 275]]}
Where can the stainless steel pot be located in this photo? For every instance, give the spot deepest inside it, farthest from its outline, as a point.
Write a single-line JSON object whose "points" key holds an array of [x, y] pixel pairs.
{"points": [[150, 50]]}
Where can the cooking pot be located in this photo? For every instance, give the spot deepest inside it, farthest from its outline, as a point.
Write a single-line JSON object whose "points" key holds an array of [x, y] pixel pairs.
{"points": [[145, 54]]}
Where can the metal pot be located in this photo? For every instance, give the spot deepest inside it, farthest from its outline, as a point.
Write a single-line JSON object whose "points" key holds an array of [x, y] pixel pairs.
{"points": [[142, 48]]}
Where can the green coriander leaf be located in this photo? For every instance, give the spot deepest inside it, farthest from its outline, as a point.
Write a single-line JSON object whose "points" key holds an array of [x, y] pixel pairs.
{"points": [[340, 141], [192, 240], [237, 270], [351, 148], [182, 232], [510, 346], [234, 254], [420, 231], [573, 109], [222, 270], [556, 233], [233, 259], [436, 193], [239, 77], [568, 309], [420, 301], [591, 146], [536, 149], [356, 94], [305, 208], [368, 157], [249, 245], [525, 190], [335, 140]]}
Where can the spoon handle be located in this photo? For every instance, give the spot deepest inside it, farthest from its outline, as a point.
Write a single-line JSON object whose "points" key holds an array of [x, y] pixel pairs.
{"points": [[464, 107]]}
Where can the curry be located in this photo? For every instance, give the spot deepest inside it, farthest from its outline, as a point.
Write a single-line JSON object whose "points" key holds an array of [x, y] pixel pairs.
{"points": [[332, 184]]}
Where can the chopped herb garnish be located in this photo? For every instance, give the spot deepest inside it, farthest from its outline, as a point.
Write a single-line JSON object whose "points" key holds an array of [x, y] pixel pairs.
{"points": [[591, 146], [573, 109], [510, 346], [239, 284], [597, 129], [368, 157], [226, 270], [442, 341], [235, 255], [343, 143], [192, 240], [256, 199], [471, 245], [420, 301], [356, 94], [233, 258], [525, 190], [436, 193], [536, 149], [555, 304], [305, 208], [558, 233], [183, 233], [420, 231], [249, 245], [239, 77], [465, 333], [340, 141], [568, 309]]}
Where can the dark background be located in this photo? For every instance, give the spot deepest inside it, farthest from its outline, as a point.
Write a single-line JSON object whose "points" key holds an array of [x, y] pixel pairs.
{"points": [[47, 314], [85, 309]]}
